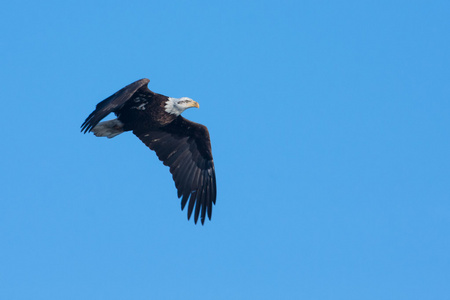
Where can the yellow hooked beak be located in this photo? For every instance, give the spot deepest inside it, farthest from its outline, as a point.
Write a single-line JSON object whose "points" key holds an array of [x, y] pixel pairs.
{"points": [[194, 104]]}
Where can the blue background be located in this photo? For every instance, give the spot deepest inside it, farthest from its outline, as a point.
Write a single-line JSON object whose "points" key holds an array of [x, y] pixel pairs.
{"points": [[330, 132]]}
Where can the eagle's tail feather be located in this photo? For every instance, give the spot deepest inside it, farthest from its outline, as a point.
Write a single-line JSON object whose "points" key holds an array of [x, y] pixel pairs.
{"points": [[109, 128]]}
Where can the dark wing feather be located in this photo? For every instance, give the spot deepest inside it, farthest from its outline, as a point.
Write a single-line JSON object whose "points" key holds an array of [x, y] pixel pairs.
{"points": [[112, 104], [185, 147]]}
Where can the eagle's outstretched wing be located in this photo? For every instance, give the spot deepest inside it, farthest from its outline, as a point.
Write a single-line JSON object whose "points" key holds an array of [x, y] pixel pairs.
{"points": [[185, 147], [112, 104]]}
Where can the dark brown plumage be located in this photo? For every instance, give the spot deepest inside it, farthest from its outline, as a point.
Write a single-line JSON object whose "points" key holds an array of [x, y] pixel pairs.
{"points": [[181, 144]]}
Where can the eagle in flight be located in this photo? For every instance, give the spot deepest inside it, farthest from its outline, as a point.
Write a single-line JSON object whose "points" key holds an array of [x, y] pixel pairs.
{"points": [[180, 144]]}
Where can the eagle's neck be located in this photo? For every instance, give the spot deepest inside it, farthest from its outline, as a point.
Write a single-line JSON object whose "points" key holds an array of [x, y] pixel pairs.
{"points": [[172, 107]]}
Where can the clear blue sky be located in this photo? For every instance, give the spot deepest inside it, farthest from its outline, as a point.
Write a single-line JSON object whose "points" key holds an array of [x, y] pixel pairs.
{"points": [[330, 133]]}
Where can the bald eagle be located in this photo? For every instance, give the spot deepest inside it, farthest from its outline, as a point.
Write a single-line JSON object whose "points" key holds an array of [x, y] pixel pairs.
{"points": [[180, 144]]}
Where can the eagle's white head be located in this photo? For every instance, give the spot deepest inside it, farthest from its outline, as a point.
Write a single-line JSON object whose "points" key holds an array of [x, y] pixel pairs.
{"points": [[176, 106]]}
